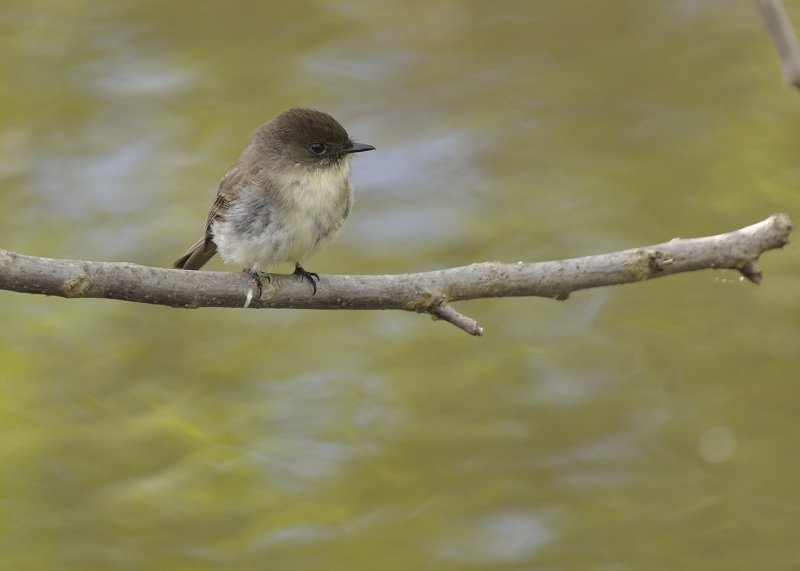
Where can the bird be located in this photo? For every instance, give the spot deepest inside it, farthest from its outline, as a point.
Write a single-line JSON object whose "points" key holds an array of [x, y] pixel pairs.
{"points": [[284, 198]]}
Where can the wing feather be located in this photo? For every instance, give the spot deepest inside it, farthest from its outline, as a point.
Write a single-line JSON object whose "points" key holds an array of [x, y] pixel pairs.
{"points": [[229, 187]]}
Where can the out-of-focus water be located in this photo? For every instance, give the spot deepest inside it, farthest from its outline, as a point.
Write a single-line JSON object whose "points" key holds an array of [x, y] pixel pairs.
{"points": [[649, 426]]}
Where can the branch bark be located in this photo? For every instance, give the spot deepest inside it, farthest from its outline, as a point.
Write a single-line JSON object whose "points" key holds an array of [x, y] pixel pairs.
{"points": [[427, 292], [784, 38]]}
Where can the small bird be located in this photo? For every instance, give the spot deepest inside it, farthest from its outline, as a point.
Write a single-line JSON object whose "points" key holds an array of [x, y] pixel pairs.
{"points": [[285, 197]]}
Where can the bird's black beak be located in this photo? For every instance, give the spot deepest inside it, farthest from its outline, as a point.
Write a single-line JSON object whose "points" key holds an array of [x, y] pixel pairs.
{"points": [[358, 148]]}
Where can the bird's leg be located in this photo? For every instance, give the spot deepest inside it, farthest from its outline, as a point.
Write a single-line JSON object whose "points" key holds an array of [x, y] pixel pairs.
{"points": [[310, 276], [256, 279]]}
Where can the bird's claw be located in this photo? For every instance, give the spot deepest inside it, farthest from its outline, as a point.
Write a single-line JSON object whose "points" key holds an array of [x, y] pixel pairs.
{"points": [[313, 277], [255, 277]]}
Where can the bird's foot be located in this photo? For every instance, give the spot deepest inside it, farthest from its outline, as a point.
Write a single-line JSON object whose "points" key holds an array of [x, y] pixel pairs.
{"points": [[313, 277], [255, 277]]}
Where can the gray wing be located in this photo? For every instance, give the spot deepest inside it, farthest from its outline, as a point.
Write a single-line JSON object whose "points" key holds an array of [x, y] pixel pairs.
{"points": [[229, 187]]}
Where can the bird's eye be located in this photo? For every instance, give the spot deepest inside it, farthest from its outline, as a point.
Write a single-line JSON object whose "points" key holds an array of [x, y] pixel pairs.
{"points": [[317, 148]]}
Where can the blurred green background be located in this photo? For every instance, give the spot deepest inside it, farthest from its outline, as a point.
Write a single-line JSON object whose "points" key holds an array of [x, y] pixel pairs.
{"points": [[650, 426]]}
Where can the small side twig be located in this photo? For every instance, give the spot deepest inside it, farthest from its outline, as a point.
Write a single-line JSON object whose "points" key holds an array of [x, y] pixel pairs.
{"points": [[445, 312]]}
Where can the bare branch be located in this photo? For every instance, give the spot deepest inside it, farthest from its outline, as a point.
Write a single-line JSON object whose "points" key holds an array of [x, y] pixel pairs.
{"points": [[784, 38], [427, 292]]}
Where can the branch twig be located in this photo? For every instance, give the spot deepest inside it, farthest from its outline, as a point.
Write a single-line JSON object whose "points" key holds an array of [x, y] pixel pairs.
{"points": [[428, 292], [784, 38]]}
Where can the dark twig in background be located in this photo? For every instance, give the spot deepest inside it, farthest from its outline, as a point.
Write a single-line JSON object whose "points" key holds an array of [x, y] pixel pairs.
{"points": [[784, 38]]}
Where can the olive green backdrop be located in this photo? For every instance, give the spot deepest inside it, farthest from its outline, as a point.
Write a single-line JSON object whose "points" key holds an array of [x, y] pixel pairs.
{"points": [[648, 426]]}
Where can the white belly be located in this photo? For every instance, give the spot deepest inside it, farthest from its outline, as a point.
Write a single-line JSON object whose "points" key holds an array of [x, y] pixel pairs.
{"points": [[308, 215]]}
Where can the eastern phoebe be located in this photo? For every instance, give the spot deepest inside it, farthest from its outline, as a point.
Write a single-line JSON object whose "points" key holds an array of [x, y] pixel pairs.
{"points": [[284, 198]]}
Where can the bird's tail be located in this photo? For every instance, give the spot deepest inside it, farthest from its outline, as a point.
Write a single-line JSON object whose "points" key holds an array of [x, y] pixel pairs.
{"points": [[197, 256]]}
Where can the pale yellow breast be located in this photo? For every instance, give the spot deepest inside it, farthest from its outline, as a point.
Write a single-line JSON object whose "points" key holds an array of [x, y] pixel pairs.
{"points": [[315, 209]]}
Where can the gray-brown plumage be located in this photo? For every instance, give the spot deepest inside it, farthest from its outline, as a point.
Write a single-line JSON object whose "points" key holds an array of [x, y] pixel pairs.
{"points": [[284, 198]]}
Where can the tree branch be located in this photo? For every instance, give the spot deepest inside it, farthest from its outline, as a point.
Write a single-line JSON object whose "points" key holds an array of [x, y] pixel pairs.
{"points": [[784, 38], [427, 292]]}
